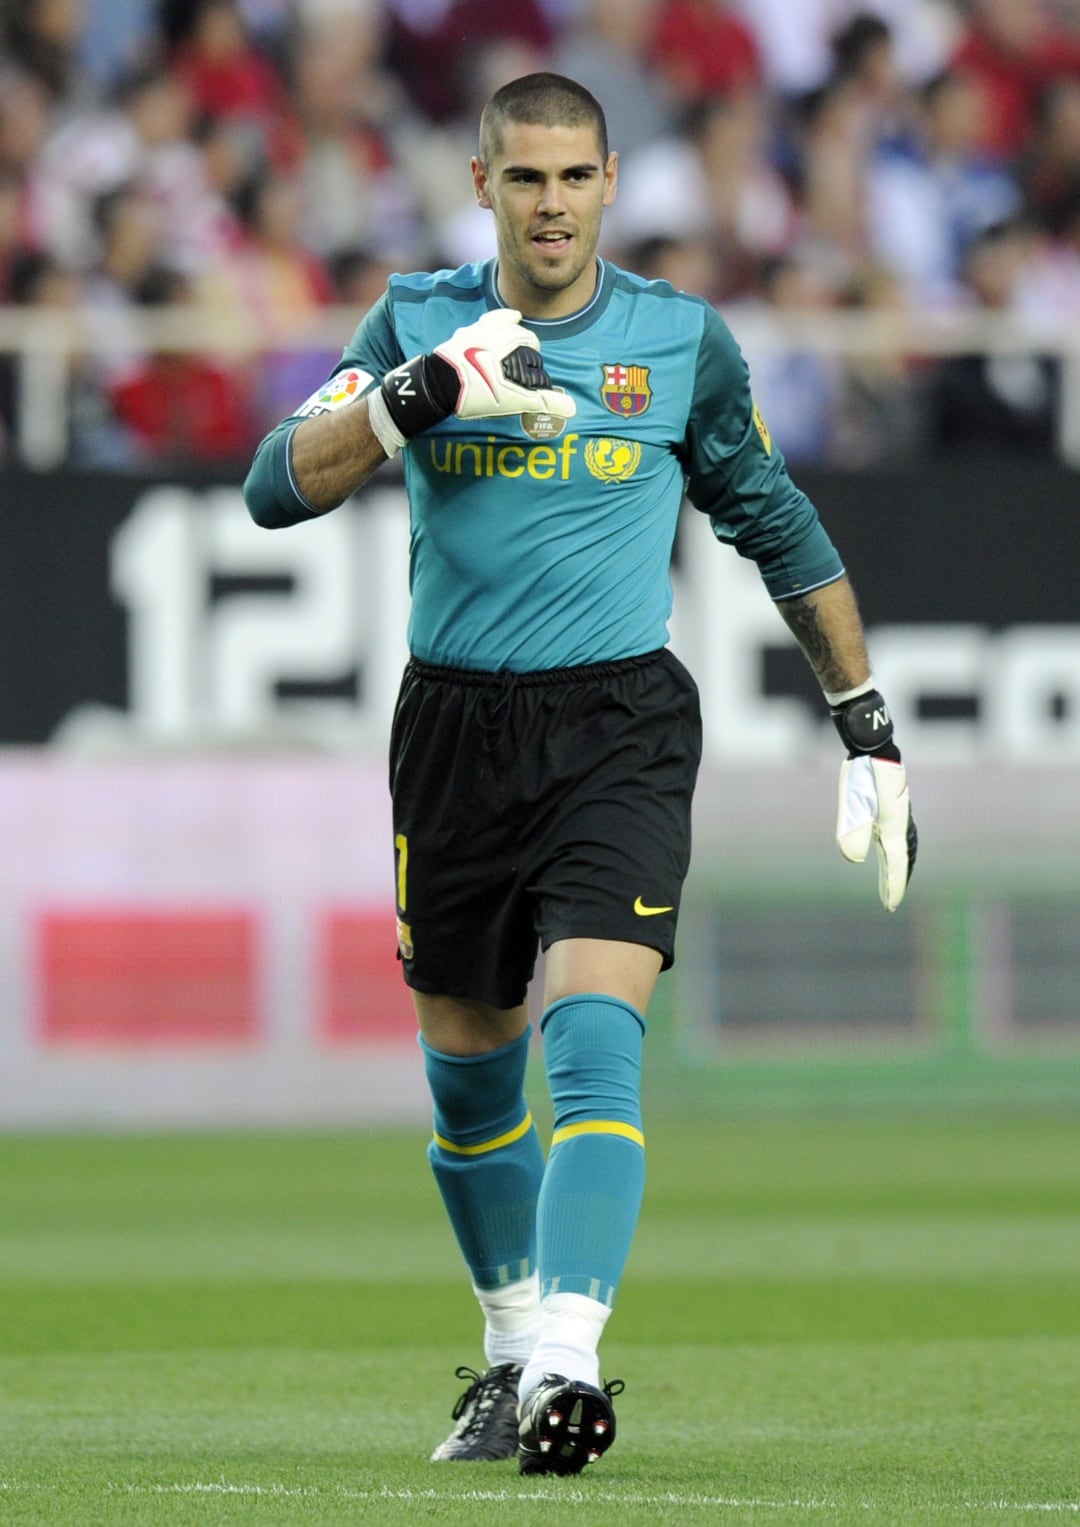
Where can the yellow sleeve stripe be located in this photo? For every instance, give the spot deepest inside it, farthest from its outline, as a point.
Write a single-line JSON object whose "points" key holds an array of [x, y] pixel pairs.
{"points": [[599, 1127], [486, 1145]]}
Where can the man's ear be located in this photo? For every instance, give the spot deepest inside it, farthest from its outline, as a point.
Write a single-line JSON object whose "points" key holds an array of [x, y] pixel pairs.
{"points": [[480, 181], [611, 178]]}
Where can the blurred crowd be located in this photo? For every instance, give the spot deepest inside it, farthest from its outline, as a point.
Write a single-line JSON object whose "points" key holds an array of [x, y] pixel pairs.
{"points": [[261, 160]]}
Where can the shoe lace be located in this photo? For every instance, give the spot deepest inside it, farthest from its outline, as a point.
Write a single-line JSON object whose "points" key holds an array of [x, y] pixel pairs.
{"points": [[612, 1387], [483, 1391]]}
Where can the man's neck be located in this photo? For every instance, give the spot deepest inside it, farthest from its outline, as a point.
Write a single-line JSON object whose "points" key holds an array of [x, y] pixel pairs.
{"points": [[535, 302]]}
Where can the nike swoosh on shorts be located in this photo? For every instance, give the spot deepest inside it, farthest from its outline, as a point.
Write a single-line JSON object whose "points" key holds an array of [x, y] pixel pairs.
{"points": [[643, 911]]}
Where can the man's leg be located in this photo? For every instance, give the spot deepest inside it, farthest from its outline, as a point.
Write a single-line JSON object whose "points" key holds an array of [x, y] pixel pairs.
{"points": [[488, 1163], [596, 995]]}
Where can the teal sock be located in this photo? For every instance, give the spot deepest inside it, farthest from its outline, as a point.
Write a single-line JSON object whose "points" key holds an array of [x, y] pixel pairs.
{"points": [[487, 1159], [595, 1175]]}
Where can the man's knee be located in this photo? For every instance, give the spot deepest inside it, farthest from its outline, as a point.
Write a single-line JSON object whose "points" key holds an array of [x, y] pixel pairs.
{"points": [[624, 971], [459, 1026]]}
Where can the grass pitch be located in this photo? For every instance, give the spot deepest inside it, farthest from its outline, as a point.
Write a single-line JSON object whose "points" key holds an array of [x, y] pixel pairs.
{"points": [[872, 1321]]}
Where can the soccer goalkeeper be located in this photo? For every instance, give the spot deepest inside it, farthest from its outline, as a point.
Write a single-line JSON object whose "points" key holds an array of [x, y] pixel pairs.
{"points": [[552, 410]]}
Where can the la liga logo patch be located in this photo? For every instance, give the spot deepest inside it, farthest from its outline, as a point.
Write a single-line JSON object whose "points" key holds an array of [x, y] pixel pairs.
{"points": [[345, 387], [625, 390]]}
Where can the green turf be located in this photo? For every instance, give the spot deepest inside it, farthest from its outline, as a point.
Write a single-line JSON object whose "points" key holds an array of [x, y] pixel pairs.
{"points": [[854, 1320]]}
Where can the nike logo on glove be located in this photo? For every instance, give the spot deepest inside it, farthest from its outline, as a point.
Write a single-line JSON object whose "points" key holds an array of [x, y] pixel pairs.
{"points": [[643, 911], [470, 355]]}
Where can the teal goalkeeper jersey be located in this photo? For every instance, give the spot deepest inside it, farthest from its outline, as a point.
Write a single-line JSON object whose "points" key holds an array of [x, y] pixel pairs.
{"points": [[537, 544]]}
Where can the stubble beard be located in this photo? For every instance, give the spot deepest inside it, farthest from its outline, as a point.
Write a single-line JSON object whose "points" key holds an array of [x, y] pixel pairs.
{"points": [[532, 268]]}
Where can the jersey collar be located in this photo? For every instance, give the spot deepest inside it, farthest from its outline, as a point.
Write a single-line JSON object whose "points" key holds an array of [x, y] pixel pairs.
{"points": [[573, 323]]}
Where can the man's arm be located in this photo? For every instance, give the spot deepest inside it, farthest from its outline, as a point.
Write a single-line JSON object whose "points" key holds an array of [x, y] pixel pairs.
{"points": [[737, 476], [487, 369]]}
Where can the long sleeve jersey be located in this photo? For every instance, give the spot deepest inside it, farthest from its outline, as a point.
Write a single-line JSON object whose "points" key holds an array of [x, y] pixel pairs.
{"points": [[536, 544]]}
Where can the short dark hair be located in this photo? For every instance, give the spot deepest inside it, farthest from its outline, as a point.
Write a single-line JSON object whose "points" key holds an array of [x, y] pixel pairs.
{"points": [[541, 100]]}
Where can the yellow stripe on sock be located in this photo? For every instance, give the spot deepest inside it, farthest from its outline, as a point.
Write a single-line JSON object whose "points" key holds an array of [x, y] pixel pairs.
{"points": [[599, 1127], [486, 1145]]}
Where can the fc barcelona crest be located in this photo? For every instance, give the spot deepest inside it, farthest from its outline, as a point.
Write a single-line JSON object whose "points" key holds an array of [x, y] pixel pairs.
{"points": [[625, 390]]}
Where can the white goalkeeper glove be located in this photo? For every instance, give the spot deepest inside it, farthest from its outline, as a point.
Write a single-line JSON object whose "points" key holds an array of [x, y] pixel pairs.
{"points": [[487, 369], [875, 805]]}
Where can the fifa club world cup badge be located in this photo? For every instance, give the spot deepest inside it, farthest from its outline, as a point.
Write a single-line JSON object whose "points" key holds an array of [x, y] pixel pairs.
{"points": [[625, 390], [543, 426]]}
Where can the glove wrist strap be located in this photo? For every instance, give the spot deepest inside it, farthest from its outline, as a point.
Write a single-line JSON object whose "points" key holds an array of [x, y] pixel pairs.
{"points": [[422, 392], [865, 726]]}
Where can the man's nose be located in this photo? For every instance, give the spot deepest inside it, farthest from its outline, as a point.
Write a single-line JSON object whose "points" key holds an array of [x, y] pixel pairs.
{"points": [[552, 198]]}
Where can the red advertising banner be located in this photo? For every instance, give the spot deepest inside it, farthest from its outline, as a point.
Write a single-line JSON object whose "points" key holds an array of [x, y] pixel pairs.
{"points": [[147, 977]]}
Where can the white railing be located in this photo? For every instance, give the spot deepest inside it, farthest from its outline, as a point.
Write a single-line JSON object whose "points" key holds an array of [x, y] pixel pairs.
{"points": [[47, 341]]}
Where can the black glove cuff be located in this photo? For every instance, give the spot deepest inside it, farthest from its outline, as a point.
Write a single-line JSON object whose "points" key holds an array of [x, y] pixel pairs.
{"points": [[865, 726], [420, 393]]}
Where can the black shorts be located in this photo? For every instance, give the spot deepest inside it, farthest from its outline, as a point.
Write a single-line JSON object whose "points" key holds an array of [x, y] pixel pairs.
{"points": [[535, 807]]}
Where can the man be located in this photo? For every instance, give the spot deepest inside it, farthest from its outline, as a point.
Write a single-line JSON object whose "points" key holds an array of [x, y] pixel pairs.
{"points": [[545, 744]]}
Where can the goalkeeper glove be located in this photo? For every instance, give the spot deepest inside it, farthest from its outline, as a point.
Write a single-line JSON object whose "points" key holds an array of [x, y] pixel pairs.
{"points": [[875, 807], [488, 369]]}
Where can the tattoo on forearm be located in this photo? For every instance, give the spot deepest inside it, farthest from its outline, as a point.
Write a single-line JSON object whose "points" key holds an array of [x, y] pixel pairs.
{"points": [[804, 621]]}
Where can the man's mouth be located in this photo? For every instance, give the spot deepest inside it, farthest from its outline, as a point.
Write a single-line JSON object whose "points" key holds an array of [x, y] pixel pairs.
{"points": [[552, 239]]}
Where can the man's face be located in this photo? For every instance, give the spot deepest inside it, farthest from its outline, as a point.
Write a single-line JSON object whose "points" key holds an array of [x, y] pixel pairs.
{"points": [[547, 188]]}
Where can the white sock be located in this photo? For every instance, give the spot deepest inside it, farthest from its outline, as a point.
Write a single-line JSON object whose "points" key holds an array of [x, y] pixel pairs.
{"points": [[511, 1320], [570, 1330]]}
